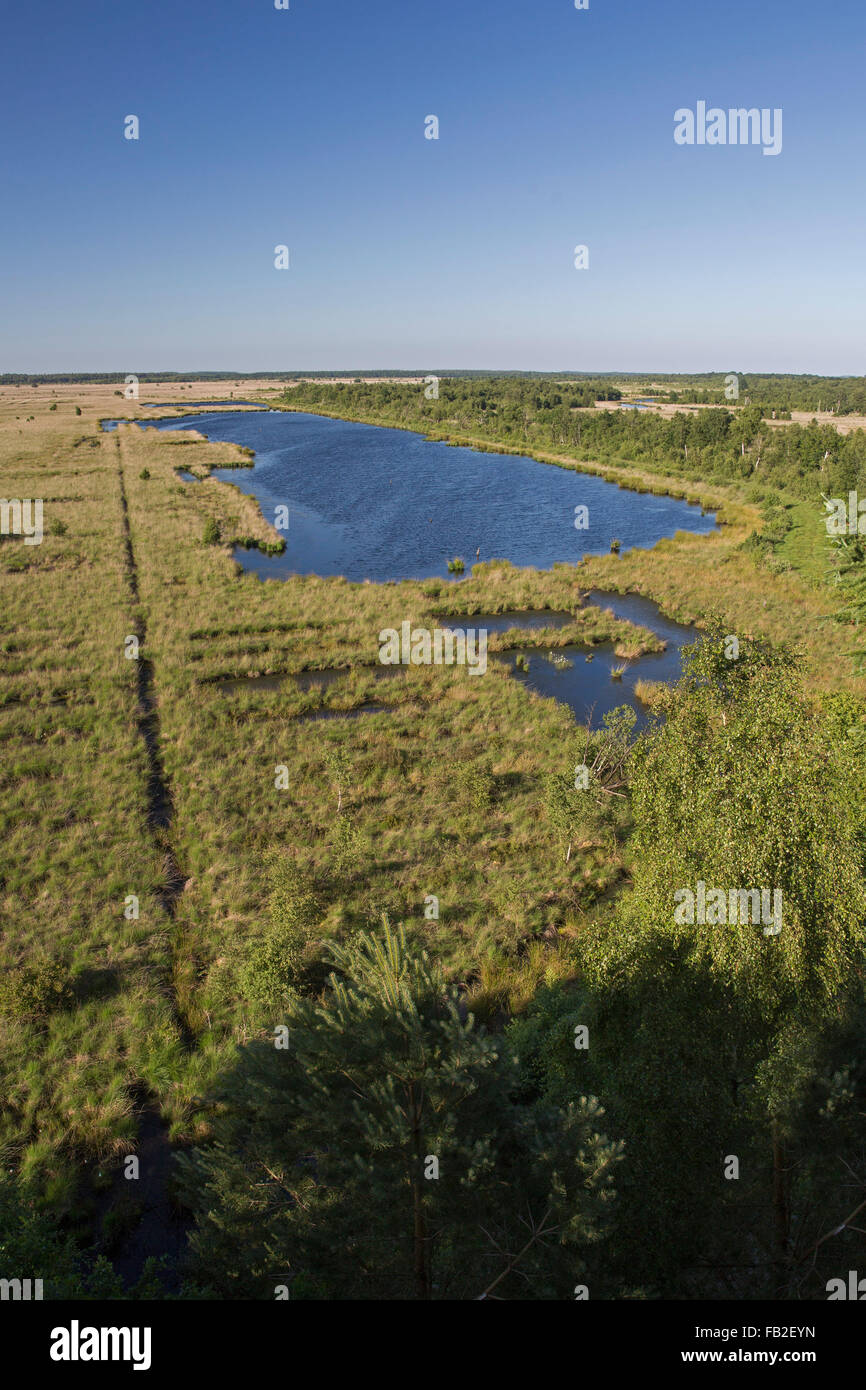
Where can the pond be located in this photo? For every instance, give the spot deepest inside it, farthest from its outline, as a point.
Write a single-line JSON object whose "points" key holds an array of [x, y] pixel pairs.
{"points": [[587, 683]]}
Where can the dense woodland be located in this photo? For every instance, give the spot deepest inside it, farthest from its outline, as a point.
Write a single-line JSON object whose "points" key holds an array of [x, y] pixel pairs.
{"points": [[713, 445], [779, 393]]}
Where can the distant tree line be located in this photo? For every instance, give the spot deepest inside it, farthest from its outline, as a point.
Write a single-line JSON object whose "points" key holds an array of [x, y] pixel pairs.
{"points": [[722, 445], [777, 392]]}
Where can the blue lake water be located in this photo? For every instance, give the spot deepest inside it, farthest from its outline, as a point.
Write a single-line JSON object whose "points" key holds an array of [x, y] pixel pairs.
{"points": [[379, 504], [587, 686], [384, 504]]}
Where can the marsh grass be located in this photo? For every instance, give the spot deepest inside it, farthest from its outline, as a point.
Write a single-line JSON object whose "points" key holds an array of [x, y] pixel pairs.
{"points": [[652, 694], [443, 791]]}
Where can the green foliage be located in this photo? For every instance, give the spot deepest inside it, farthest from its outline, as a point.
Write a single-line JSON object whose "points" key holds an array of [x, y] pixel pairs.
{"points": [[322, 1171], [704, 1035], [338, 765], [738, 789], [346, 846], [565, 806], [282, 961], [599, 759], [144, 474], [35, 991], [543, 1040], [472, 786], [32, 1246], [211, 534]]}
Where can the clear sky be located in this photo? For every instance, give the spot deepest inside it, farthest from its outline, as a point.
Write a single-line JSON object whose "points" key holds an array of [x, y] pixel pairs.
{"points": [[305, 127]]}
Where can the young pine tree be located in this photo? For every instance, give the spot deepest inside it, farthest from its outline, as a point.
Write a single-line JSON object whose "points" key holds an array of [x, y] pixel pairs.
{"points": [[382, 1154]]}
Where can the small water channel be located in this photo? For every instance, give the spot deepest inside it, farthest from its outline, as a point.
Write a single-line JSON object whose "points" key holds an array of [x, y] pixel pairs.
{"points": [[304, 680], [586, 684]]}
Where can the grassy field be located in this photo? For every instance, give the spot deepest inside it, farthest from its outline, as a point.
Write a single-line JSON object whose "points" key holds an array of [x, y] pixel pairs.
{"points": [[156, 999], [148, 777]]}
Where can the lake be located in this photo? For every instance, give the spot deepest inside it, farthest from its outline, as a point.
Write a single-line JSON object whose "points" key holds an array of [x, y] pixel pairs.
{"points": [[385, 504]]}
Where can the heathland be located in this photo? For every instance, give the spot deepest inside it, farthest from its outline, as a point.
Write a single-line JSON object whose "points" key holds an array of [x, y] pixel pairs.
{"points": [[190, 849]]}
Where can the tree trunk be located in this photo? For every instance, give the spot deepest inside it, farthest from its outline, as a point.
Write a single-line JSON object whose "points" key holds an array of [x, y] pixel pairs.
{"points": [[419, 1234], [422, 1284], [781, 1212]]}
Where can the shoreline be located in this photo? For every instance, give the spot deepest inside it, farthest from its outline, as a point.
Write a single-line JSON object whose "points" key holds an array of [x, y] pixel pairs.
{"points": [[682, 574], [618, 477]]}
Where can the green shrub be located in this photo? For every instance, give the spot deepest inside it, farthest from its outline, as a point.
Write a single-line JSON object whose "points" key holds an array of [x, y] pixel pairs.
{"points": [[346, 852], [35, 991], [144, 474], [278, 965], [472, 786], [212, 534]]}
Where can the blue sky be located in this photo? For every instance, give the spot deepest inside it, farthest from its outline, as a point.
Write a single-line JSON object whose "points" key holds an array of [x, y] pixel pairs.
{"points": [[306, 128]]}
